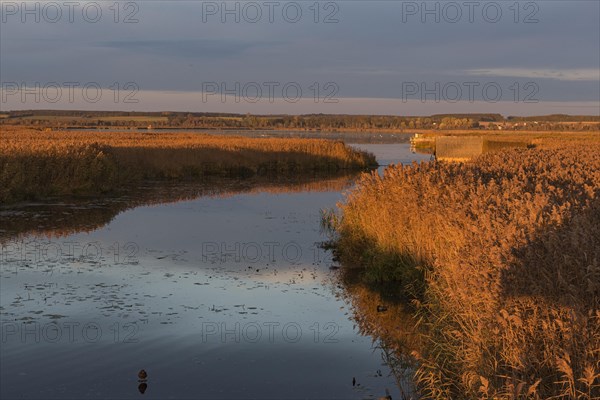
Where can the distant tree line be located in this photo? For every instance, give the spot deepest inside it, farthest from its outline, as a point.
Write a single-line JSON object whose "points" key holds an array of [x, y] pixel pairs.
{"points": [[325, 122]]}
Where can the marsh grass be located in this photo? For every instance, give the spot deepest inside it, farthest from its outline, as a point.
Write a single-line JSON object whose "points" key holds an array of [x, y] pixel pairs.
{"points": [[507, 251], [38, 164]]}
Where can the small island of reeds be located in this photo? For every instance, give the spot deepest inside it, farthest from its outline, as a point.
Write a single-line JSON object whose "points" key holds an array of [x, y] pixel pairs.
{"points": [[36, 164]]}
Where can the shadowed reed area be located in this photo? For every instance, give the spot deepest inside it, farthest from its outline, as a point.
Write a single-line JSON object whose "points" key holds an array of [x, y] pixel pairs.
{"points": [[502, 258], [38, 164]]}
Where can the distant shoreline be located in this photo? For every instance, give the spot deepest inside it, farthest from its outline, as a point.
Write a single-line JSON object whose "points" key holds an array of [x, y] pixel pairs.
{"points": [[325, 123]]}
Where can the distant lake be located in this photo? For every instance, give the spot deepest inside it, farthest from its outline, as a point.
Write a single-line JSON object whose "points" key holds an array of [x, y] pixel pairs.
{"points": [[348, 137]]}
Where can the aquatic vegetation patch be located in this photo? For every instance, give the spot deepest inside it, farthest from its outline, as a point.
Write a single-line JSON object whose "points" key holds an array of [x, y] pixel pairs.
{"points": [[506, 249], [36, 164]]}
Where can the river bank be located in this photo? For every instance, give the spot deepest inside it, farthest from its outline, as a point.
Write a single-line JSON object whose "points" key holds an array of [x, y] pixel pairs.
{"points": [[500, 256], [38, 164], [187, 281]]}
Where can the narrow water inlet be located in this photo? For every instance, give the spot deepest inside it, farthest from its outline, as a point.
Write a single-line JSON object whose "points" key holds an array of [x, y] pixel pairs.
{"points": [[186, 290]]}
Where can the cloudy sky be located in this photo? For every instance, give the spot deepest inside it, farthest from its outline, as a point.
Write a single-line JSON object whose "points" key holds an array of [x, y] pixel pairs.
{"points": [[376, 57]]}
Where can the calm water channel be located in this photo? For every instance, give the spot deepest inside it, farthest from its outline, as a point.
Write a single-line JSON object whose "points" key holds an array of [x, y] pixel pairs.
{"points": [[216, 293]]}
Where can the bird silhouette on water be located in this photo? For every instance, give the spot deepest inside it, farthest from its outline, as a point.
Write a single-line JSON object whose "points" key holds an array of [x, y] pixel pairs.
{"points": [[142, 379], [143, 375]]}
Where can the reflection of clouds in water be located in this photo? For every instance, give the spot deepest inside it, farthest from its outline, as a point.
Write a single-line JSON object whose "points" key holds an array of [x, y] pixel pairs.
{"points": [[150, 292], [297, 275], [150, 311]]}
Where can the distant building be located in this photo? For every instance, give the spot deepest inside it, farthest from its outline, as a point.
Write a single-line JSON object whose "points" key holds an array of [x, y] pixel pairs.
{"points": [[458, 148]]}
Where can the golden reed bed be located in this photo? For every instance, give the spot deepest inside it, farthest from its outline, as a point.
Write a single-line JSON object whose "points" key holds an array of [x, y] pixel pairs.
{"points": [[502, 257], [36, 164]]}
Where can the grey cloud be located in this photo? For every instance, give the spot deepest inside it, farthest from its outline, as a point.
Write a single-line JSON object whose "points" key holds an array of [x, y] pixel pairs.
{"points": [[186, 48]]}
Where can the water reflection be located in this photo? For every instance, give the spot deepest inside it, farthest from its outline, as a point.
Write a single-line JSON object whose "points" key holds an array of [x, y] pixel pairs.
{"points": [[217, 292], [143, 387], [348, 137], [384, 313], [143, 379], [61, 218]]}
